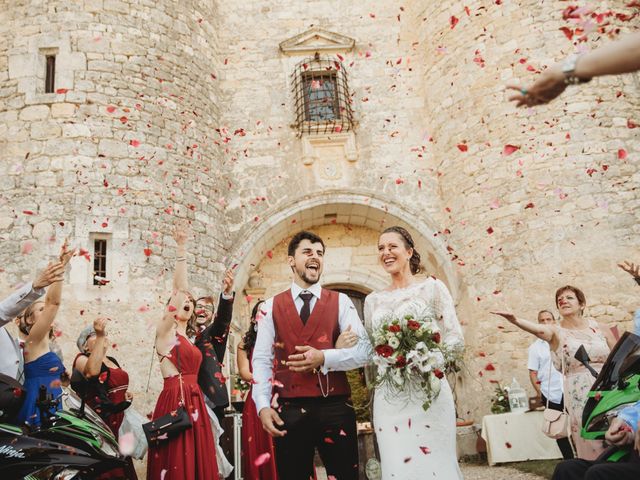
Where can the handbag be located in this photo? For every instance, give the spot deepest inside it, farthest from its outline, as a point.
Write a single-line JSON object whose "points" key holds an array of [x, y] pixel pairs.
{"points": [[133, 423], [556, 423], [172, 424]]}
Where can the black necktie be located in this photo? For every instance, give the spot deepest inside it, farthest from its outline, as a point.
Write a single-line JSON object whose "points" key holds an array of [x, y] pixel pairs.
{"points": [[305, 311]]}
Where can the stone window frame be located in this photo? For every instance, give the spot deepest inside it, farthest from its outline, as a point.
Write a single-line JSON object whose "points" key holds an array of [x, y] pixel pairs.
{"points": [[93, 237]]}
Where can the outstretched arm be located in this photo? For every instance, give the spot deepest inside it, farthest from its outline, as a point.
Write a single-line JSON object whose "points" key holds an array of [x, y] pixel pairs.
{"points": [[180, 235], [545, 332], [632, 269], [614, 58], [41, 328]]}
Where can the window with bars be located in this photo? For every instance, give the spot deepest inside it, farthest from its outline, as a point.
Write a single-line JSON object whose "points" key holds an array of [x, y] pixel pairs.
{"points": [[99, 261], [50, 74], [322, 99]]}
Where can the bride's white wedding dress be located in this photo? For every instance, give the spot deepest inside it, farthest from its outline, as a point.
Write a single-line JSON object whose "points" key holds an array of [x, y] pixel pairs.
{"points": [[414, 444]]}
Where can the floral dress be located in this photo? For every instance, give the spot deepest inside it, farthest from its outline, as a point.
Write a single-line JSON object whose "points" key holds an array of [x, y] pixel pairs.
{"points": [[578, 380]]}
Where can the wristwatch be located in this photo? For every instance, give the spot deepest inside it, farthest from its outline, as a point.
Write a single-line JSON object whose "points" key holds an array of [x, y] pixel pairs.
{"points": [[569, 68]]}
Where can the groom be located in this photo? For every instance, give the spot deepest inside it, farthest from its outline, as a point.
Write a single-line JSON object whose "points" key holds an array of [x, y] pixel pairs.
{"points": [[295, 360]]}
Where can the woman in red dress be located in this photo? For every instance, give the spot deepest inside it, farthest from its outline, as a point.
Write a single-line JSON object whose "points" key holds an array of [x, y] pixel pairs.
{"points": [[191, 455], [107, 388], [258, 461]]}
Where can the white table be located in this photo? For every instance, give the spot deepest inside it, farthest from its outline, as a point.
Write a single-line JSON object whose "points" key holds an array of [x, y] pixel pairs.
{"points": [[517, 437]]}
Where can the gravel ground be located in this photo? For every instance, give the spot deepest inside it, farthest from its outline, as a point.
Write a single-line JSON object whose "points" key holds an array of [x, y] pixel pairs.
{"points": [[479, 472], [484, 472]]}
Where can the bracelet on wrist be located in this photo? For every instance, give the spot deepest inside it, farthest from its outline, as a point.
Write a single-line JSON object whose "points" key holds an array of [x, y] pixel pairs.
{"points": [[569, 68], [181, 259]]}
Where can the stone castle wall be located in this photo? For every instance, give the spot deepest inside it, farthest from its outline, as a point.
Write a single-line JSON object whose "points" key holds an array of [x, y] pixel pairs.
{"points": [[123, 147], [171, 109]]}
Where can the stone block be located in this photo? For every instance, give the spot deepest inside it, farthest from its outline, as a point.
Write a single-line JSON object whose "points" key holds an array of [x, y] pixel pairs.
{"points": [[34, 112], [63, 110], [113, 148]]}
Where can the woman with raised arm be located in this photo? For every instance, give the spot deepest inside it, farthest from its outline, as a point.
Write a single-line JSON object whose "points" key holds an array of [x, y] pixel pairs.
{"points": [[106, 385], [564, 340], [191, 454], [42, 367]]}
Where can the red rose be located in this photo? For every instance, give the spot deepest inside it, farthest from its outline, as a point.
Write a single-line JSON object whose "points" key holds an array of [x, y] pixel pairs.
{"points": [[400, 361], [438, 373], [413, 325], [436, 337], [394, 328], [384, 350]]}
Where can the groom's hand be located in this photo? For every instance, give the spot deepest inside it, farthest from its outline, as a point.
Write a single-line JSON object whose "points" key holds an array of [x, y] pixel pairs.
{"points": [[270, 418], [307, 360]]}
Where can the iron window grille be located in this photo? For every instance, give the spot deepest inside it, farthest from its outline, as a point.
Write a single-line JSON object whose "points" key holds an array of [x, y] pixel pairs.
{"points": [[322, 99], [99, 261]]}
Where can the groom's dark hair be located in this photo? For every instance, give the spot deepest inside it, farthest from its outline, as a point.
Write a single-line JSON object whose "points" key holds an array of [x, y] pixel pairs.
{"points": [[303, 235]]}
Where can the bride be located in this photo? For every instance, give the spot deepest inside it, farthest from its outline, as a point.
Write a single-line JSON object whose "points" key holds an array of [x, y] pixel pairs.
{"points": [[414, 443]]}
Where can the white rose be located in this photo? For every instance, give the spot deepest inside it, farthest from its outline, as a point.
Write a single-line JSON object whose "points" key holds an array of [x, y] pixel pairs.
{"points": [[394, 342]]}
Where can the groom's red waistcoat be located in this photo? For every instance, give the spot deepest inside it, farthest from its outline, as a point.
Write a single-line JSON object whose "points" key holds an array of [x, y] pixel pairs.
{"points": [[321, 332]]}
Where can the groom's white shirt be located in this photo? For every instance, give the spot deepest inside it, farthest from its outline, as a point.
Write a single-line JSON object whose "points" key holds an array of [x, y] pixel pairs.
{"points": [[334, 359], [10, 353]]}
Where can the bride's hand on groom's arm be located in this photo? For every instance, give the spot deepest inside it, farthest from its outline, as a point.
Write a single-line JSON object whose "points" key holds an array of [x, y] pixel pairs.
{"points": [[270, 422], [308, 359], [347, 339]]}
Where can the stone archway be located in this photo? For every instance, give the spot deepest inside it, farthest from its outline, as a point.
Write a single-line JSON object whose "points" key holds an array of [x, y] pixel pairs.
{"points": [[359, 219], [344, 209]]}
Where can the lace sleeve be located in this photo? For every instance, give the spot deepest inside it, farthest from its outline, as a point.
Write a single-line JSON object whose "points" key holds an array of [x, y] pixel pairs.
{"points": [[446, 312], [367, 314]]}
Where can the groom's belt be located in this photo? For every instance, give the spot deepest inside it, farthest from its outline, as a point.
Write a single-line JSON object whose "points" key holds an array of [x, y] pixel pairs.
{"points": [[316, 400]]}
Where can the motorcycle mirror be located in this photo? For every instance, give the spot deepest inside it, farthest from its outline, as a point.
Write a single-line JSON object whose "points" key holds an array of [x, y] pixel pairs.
{"points": [[583, 357]]}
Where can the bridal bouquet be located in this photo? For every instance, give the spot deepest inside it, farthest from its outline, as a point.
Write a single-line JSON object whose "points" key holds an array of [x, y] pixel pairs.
{"points": [[410, 355]]}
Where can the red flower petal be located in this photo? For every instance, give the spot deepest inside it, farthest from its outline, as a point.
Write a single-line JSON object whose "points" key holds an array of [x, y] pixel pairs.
{"points": [[567, 32], [622, 154], [462, 147], [509, 149], [453, 21]]}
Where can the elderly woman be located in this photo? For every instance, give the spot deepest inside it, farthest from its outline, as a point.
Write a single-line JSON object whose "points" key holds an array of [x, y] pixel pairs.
{"points": [[107, 385], [108, 390], [564, 340]]}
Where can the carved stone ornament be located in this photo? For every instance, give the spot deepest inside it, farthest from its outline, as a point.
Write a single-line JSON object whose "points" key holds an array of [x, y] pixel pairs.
{"points": [[315, 40]]}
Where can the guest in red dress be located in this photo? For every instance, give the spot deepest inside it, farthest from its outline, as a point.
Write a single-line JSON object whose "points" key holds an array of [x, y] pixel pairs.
{"points": [[191, 455], [258, 462], [106, 389]]}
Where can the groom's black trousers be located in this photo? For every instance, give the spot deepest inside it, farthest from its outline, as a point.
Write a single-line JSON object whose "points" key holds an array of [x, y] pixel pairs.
{"points": [[328, 424]]}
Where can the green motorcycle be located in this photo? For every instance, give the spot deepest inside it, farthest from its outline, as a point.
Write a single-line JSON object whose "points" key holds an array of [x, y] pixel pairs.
{"points": [[617, 386]]}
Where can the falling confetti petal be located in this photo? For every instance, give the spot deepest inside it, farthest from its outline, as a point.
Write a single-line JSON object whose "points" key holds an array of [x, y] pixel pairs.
{"points": [[262, 459]]}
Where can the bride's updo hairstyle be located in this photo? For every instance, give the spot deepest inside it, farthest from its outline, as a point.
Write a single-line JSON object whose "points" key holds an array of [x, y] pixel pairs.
{"points": [[414, 261]]}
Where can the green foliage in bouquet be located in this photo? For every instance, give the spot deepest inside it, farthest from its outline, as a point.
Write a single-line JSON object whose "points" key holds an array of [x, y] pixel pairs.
{"points": [[240, 385], [500, 400]]}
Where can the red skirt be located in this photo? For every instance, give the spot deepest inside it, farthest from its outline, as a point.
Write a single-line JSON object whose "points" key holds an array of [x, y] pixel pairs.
{"points": [[191, 455], [256, 442]]}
